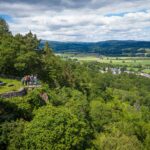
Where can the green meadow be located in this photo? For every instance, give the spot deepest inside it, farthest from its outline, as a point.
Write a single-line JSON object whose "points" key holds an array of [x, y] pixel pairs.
{"points": [[131, 63]]}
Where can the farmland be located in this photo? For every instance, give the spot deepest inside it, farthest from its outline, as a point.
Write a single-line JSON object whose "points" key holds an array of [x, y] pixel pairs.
{"points": [[136, 64]]}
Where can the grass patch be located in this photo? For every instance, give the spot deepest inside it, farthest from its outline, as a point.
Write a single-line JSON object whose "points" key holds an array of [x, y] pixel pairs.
{"points": [[146, 71], [16, 85]]}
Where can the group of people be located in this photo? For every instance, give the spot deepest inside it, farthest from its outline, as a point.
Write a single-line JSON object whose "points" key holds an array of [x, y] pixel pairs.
{"points": [[29, 80]]}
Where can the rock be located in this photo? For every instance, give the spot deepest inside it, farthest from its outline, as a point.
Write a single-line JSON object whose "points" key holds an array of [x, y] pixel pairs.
{"points": [[2, 84], [10, 85], [44, 96]]}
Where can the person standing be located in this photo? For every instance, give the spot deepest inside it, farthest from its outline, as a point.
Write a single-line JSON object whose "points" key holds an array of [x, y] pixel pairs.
{"points": [[28, 79], [35, 79], [31, 79], [23, 81]]}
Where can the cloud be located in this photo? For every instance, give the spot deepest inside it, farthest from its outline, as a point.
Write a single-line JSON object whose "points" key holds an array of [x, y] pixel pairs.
{"points": [[76, 20]]}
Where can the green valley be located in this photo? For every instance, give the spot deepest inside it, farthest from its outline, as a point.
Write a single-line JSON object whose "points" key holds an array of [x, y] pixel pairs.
{"points": [[137, 64], [80, 105]]}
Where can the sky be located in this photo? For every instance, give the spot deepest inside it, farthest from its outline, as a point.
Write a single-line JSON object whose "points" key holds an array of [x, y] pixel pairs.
{"points": [[79, 20]]}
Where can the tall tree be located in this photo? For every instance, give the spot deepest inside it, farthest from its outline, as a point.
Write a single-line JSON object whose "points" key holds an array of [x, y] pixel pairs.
{"points": [[47, 50], [4, 28]]}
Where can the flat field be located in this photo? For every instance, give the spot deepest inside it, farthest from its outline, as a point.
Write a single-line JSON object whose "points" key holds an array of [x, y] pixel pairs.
{"points": [[141, 64]]}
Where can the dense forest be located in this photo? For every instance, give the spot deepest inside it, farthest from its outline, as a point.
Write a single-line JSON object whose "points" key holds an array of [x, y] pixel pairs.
{"points": [[83, 109], [107, 48]]}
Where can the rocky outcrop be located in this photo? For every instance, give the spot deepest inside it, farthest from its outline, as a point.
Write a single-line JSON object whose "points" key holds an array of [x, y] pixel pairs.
{"points": [[44, 97]]}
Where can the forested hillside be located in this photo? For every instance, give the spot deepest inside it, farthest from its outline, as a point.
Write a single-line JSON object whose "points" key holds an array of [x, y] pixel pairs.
{"points": [[76, 108], [108, 48]]}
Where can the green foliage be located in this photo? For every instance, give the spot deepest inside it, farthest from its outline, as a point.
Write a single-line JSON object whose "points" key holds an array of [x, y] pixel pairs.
{"points": [[74, 100], [47, 49], [116, 140], [55, 128], [64, 95], [18, 54], [28, 63], [34, 98], [11, 109], [11, 134], [105, 113]]}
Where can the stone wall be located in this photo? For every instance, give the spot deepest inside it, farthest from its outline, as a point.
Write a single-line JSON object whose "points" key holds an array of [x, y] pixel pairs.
{"points": [[9, 77], [21, 92]]}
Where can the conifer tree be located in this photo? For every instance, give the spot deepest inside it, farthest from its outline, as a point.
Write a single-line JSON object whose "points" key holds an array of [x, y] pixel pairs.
{"points": [[4, 28], [47, 50]]}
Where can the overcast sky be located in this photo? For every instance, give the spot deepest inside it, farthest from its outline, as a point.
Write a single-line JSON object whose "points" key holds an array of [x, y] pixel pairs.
{"points": [[79, 20]]}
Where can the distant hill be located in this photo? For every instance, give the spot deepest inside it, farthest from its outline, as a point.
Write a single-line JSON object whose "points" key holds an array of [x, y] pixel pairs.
{"points": [[110, 48]]}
